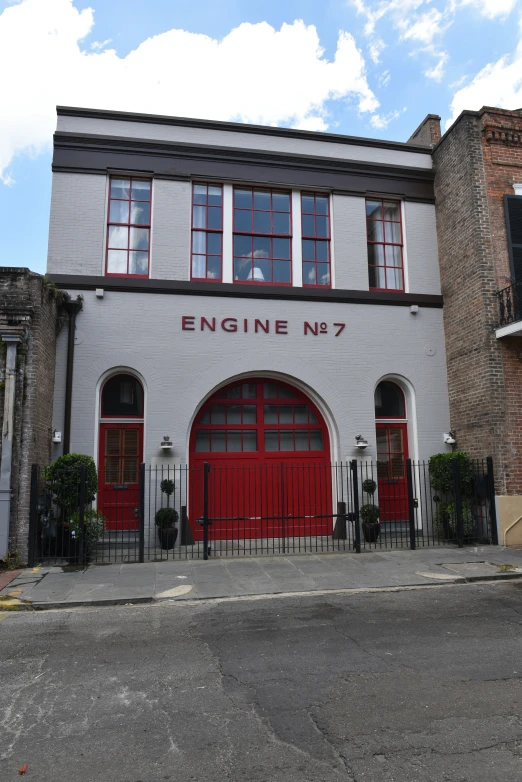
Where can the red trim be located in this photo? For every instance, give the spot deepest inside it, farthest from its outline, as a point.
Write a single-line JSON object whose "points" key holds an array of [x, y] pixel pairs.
{"points": [[128, 225], [126, 417], [316, 238], [384, 244], [206, 230]]}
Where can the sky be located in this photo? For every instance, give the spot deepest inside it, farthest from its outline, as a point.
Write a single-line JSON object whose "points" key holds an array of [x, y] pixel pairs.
{"points": [[371, 68]]}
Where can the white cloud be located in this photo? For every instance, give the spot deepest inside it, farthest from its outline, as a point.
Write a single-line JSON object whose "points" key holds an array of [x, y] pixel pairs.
{"points": [[437, 72], [425, 27], [381, 121], [100, 44], [384, 79], [492, 8], [176, 72], [375, 49]]}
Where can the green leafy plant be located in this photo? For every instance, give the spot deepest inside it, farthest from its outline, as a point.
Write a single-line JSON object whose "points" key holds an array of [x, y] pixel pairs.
{"points": [[13, 559], [94, 525], [166, 518], [445, 520], [369, 486], [441, 473], [167, 487], [63, 480], [442, 481], [370, 514]]}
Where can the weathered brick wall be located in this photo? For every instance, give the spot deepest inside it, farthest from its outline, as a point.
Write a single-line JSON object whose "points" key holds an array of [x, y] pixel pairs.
{"points": [[28, 303], [428, 132], [468, 283]]}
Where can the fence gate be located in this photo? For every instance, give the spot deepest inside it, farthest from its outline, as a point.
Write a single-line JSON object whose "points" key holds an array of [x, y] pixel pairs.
{"points": [[203, 511]]}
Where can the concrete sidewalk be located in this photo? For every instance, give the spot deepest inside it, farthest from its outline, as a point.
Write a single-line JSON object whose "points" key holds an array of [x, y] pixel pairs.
{"points": [[221, 578]]}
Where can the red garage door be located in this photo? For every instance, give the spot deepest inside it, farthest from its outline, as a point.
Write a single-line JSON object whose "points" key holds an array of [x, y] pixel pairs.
{"points": [[269, 452]]}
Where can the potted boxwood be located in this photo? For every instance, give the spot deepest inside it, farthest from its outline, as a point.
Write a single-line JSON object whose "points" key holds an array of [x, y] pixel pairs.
{"points": [[166, 519], [370, 513]]}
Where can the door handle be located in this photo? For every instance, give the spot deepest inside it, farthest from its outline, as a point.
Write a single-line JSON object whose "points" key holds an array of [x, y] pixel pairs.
{"points": [[136, 513]]}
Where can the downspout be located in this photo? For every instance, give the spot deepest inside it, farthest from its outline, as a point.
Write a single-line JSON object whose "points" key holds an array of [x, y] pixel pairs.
{"points": [[72, 308], [12, 341]]}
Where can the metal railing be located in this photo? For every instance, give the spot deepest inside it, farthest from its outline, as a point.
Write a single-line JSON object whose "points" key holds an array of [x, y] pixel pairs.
{"points": [[510, 304], [222, 510]]}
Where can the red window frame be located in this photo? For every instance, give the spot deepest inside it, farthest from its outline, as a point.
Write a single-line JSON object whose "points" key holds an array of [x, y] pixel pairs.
{"points": [[128, 224], [305, 236], [384, 243], [271, 235], [206, 230]]}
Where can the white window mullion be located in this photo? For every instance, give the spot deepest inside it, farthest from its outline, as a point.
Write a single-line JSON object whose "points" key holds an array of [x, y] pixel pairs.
{"points": [[227, 234], [297, 245]]}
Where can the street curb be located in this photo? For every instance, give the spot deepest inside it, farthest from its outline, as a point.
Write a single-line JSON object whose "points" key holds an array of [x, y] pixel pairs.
{"points": [[119, 601]]}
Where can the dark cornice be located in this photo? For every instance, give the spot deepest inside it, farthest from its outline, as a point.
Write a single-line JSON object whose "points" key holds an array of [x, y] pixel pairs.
{"points": [[234, 291], [237, 127]]}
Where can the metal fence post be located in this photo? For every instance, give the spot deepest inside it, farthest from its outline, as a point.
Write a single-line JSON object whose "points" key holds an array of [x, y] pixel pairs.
{"points": [[455, 468], [141, 536], [81, 542], [357, 526], [33, 517], [492, 504], [206, 470], [411, 507]]}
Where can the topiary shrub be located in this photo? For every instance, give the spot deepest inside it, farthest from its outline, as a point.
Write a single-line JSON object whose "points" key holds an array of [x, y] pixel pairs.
{"points": [[166, 518], [441, 473], [370, 513], [63, 479]]}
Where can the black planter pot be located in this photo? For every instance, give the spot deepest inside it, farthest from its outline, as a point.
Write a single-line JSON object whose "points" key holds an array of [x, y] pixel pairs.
{"points": [[168, 537], [371, 531]]}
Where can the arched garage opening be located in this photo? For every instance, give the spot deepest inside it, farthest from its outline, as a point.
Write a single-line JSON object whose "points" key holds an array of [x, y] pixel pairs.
{"points": [[268, 449]]}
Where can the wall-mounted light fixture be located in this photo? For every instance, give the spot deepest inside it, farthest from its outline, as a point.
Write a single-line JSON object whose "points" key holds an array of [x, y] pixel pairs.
{"points": [[166, 444], [57, 436], [450, 438], [360, 442]]}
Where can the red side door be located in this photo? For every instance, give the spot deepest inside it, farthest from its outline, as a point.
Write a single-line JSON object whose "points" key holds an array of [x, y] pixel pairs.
{"points": [[121, 448], [392, 452]]}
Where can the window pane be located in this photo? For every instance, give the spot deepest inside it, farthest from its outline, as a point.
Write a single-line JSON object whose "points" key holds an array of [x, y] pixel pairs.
{"points": [[261, 200], [281, 271], [393, 256], [205, 418], [233, 393], [214, 217], [321, 205], [200, 194], [307, 204], [309, 273], [199, 242], [262, 271], [242, 220], [389, 403], [202, 441], [198, 216], [396, 441], [286, 414], [281, 248], [280, 202], [233, 441], [243, 198], [249, 441], [374, 209], [118, 237], [262, 222], [271, 441], [242, 268], [140, 212], [261, 247], [249, 414], [308, 225], [270, 414], [120, 188], [281, 223], [301, 440], [243, 246], [269, 391], [391, 210], [214, 196], [392, 232], [375, 231], [199, 266], [313, 417], [248, 390], [217, 414], [393, 278], [233, 414], [308, 250], [286, 441], [321, 251], [376, 254], [316, 440], [141, 190], [285, 393], [218, 441], [214, 267], [214, 244], [117, 262], [323, 274], [119, 212], [321, 226], [138, 263], [377, 277], [301, 414], [139, 238]]}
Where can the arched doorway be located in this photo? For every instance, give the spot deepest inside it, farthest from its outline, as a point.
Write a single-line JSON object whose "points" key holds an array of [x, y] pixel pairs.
{"points": [[392, 451], [120, 451], [269, 452]]}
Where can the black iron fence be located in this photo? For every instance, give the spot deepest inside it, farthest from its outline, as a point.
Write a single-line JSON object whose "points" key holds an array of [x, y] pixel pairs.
{"points": [[203, 511], [510, 304]]}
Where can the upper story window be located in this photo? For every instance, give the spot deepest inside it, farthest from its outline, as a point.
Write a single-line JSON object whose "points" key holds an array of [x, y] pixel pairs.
{"points": [[384, 231], [207, 232], [262, 236], [315, 229], [128, 230], [122, 397]]}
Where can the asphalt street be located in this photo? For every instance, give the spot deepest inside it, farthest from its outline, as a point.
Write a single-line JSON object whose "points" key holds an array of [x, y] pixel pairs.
{"points": [[420, 685]]}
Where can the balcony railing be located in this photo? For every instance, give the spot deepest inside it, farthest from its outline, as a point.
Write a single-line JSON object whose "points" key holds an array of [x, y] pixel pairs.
{"points": [[510, 304]]}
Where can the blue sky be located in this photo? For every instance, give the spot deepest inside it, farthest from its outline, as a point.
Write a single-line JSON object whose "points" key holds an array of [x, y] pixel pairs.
{"points": [[360, 67]]}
